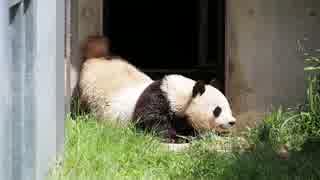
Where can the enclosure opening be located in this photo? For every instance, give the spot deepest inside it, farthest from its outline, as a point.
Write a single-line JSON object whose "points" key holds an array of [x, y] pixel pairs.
{"points": [[165, 37]]}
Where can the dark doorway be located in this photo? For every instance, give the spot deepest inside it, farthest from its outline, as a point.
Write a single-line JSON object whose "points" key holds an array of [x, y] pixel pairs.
{"points": [[165, 37]]}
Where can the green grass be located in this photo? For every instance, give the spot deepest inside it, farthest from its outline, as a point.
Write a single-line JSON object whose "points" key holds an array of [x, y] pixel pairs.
{"points": [[102, 151]]}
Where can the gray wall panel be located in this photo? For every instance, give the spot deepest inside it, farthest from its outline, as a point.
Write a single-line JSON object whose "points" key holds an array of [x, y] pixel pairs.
{"points": [[266, 67], [32, 91]]}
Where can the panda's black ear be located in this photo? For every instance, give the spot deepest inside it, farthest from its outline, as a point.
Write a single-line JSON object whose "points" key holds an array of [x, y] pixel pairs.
{"points": [[216, 83], [198, 88]]}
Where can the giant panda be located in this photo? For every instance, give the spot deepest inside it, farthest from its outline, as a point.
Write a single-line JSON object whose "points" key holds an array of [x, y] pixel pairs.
{"points": [[109, 86], [113, 89], [177, 105]]}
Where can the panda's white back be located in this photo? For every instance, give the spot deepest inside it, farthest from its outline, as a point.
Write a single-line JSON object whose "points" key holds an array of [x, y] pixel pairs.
{"points": [[123, 102], [105, 84], [110, 75]]}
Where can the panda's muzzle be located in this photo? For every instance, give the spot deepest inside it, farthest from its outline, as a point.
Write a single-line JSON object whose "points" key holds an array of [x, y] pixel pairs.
{"points": [[228, 125]]}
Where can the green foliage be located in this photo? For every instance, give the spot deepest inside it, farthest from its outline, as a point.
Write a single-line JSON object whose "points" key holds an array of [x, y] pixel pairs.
{"points": [[313, 64], [311, 115], [281, 128], [294, 127], [311, 56]]}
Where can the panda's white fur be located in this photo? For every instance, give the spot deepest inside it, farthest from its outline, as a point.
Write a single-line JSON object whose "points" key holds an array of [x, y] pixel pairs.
{"points": [[111, 87], [186, 105], [123, 102], [199, 109]]}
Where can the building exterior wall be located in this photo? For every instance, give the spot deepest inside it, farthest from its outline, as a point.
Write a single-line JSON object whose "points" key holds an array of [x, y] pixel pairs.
{"points": [[32, 98], [265, 62], [265, 66], [83, 18], [90, 18]]}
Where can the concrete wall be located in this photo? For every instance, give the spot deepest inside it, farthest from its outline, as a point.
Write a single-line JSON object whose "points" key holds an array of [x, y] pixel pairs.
{"points": [[32, 97], [266, 66], [90, 17], [84, 18]]}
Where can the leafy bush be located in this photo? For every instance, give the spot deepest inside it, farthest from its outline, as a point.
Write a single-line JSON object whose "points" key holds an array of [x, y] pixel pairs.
{"points": [[280, 127], [293, 127], [313, 64], [311, 116]]}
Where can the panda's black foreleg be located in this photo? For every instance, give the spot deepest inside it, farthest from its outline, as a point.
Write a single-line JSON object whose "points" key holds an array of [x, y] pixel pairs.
{"points": [[172, 135], [159, 124], [152, 122]]}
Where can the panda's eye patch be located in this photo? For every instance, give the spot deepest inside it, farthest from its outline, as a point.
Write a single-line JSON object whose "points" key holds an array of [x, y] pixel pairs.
{"points": [[217, 111]]}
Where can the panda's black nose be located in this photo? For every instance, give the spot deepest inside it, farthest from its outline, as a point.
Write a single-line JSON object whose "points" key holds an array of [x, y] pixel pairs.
{"points": [[232, 123]]}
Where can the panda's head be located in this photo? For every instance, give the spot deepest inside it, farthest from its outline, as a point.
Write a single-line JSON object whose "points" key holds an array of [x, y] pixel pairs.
{"points": [[203, 105], [209, 108]]}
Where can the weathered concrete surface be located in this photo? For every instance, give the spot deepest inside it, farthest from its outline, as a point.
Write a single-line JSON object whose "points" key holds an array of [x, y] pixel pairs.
{"points": [[83, 19], [89, 21], [266, 67], [90, 18]]}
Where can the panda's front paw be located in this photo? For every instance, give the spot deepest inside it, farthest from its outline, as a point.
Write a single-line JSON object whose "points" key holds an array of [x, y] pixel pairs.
{"points": [[172, 135]]}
